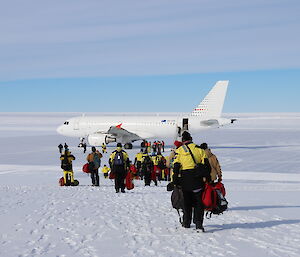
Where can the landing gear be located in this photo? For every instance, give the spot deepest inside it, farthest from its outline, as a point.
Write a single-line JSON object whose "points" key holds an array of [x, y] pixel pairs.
{"points": [[128, 146], [81, 144]]}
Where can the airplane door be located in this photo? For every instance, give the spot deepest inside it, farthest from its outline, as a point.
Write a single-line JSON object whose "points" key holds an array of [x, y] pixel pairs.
{"points": [[185, 124]]}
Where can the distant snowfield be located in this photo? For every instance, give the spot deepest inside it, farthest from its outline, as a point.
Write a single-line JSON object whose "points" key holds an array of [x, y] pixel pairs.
{"points": [[260, 159]]}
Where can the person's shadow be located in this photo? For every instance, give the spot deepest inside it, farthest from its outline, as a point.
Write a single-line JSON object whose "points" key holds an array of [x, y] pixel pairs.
{"points": [[253, 225], [260, 207]]}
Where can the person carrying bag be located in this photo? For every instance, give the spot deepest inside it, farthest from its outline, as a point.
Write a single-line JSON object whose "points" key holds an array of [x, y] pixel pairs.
{"points": [[190, 167]]}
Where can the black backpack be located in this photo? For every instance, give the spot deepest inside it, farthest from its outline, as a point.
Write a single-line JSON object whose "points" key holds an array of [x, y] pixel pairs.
{"points": [[170, 186], [177, 199], [161, 164], [119, 159], [147, 160], [65, 164]]}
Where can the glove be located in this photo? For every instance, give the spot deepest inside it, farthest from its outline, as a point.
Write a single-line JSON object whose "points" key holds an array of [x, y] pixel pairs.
{"points": [[176, 180]]}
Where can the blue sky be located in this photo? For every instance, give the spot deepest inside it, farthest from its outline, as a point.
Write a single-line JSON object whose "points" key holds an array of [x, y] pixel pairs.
{"points": [[148, 55]]}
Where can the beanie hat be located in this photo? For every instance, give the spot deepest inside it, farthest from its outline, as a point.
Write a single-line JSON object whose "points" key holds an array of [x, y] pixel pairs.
{"points": [[119, 145], [203, 146], [186, 136]]}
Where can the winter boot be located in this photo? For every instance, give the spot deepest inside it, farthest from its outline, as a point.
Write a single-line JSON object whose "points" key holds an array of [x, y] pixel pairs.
{"points": [[200, 227]]}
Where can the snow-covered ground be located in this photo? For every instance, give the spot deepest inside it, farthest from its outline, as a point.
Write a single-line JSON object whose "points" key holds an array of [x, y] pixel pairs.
{"points": [[260, 157]]}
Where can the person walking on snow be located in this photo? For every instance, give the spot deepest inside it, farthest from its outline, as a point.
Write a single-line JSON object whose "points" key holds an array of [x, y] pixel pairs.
{"points": [[104, 148], [94, 160], [138, 161], [119, 162], [105, 171], [147, 169], [216, 172], [190, 179], [84, 147]]}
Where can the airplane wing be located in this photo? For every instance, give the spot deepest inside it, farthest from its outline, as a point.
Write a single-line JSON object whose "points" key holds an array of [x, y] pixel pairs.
{"points": [[119, 132]]}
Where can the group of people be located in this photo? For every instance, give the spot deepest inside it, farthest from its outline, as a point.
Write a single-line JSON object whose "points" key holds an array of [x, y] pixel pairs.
{"points": [[151, 167], [181, 168], [118, 162], [156, 146], [146, 167]]}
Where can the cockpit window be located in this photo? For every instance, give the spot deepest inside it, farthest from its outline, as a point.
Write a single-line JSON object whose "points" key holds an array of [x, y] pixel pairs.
{"points": [[66, 123]]}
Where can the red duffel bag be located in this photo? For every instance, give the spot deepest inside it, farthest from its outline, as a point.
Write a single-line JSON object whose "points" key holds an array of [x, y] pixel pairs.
{"points": [[85, 168], [111, 175], [61, 181], [209, 195], [213, 199], [128, 181]]}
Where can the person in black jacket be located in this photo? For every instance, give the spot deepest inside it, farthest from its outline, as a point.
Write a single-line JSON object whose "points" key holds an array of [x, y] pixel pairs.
{"points": [[66, 164], [119, 163], [190, 178]]}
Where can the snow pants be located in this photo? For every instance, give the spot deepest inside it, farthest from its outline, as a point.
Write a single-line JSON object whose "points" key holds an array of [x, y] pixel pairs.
{"points": [[120, 174], [68, 177], [193, 201], [95, 177]]}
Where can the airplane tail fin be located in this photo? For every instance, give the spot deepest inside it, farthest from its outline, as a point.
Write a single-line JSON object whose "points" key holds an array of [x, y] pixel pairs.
{"points": [[212, 104]]}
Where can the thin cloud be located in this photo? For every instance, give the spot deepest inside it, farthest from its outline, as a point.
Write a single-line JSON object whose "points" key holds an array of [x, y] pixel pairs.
{"points": [[113, 38]]}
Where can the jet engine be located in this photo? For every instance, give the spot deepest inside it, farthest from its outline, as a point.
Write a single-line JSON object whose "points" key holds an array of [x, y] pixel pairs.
{"points": [[223, 121], [99, 139], [110, 139]]}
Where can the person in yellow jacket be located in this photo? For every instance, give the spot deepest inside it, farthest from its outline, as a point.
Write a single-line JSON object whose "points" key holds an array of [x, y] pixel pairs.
{"points": [[66, 164], [147, 169], [144, 156], [170, 166], [138, 161], [158, 165], [119, 162], [104, 148], [105, 171], [189, 177]]}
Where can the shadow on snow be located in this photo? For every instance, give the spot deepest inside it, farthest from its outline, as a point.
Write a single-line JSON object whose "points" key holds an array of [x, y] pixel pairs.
{"points": [[254, 225], [248, 208]]}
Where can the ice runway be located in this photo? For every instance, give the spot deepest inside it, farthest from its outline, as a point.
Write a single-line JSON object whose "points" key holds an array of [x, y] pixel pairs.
{"points": [[260, 160]]}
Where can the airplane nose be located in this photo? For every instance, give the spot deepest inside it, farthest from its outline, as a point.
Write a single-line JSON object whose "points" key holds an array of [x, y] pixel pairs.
{"points": [[59, 130]]}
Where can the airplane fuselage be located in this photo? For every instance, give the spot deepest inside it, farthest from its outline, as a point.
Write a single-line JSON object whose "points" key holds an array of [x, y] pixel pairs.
{"points": [[146, 127], [127, 129]]}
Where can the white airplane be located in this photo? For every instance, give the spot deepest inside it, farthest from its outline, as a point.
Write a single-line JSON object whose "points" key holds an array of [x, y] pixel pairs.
{"points": [[127, 129]]}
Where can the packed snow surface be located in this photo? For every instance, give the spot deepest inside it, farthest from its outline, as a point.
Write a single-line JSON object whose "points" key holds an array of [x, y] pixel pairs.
{"points": [[260, 159]]}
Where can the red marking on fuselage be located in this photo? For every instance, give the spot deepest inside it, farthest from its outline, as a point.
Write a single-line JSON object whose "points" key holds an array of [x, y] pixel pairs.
{"points": [[119, 126]]}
